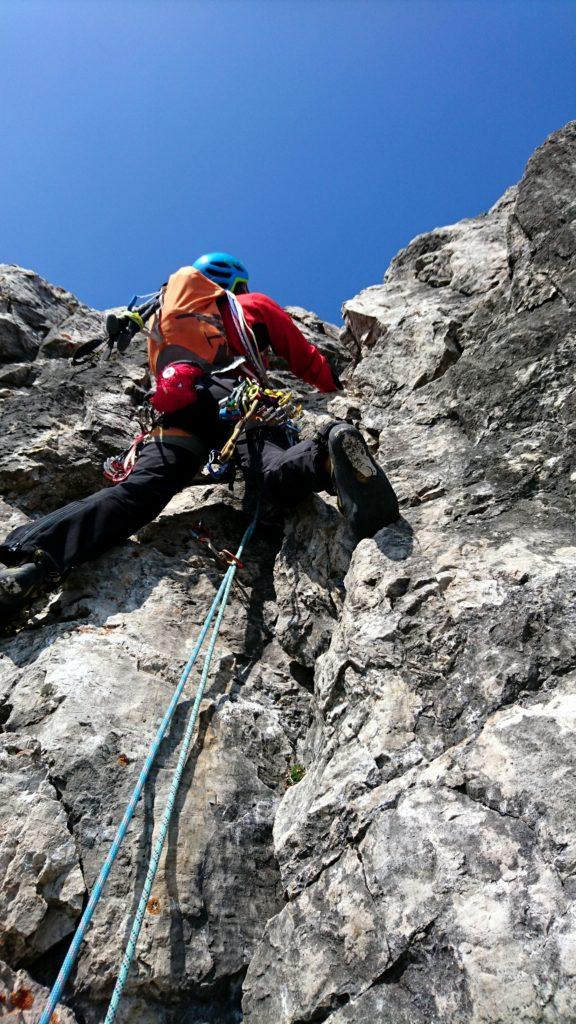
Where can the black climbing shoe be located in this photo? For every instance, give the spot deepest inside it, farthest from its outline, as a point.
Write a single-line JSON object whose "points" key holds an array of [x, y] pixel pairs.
{"points": [[19, 584], [365, 496]]}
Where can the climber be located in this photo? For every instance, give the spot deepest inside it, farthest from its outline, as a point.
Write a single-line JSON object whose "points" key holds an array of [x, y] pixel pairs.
{"points": [[226, 343]]}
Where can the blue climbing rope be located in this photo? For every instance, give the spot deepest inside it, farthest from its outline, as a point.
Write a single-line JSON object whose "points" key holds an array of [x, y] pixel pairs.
{"points": [[218, 606], [176, 778]]}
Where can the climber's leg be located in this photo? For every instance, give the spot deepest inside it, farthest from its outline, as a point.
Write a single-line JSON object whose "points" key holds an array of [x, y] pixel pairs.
{"points": [[85, 529], [337, 460], [365, 495], [286, 475]]}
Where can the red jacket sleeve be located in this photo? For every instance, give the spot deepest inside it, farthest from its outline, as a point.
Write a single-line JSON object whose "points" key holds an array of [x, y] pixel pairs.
{"points": [[304, 359]]}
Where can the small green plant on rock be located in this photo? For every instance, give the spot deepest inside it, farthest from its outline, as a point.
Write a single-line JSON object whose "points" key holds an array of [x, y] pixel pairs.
{"points": [[295, 774]]}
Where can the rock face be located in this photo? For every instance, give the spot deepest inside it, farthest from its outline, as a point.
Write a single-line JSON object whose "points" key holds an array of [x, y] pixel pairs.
{"points": [[22, 999], [423, 871]]}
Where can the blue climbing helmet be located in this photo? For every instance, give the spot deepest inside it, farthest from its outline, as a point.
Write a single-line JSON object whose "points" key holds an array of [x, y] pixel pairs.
{"points": [[223, 269]]}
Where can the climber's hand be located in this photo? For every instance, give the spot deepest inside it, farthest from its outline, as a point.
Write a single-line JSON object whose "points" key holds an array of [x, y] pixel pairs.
{"points": [[339, 384]]}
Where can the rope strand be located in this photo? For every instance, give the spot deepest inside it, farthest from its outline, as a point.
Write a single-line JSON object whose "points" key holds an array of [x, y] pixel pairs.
{"points": [[176, 779], [219, 603]]}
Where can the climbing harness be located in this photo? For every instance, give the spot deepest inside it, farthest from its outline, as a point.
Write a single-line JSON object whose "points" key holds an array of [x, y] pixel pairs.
{"points": [[245, 401], [251, 404], [217, 609], [248, 404]]}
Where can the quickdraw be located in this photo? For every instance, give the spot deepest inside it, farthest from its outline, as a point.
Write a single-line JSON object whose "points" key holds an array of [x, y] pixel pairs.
{"points": [[118, 467], [250, 401], [201, 534]]}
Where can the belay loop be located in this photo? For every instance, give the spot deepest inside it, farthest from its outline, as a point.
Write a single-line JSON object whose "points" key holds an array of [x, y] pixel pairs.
{"points": [[252, 402]]}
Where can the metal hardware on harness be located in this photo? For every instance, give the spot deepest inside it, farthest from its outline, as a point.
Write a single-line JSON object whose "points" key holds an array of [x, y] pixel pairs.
{"points": [[273, 406], [265, 407], [118, 467]]}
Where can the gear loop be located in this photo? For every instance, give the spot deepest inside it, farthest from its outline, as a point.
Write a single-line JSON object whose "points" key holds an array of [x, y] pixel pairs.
{"points": [[252, 404]]}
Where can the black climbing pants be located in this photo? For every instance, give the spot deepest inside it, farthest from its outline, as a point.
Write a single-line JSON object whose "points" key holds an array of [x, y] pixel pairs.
{"points": [[85, 529]]}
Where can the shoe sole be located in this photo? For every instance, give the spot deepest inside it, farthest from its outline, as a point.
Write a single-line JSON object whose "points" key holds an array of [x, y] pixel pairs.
{"points": [[365, 496], [13, 595], [359, 457]]}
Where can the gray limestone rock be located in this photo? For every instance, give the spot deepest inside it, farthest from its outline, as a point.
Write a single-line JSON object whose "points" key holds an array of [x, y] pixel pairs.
{"points": [[22, 999], [29, 309], [41, 883], [442, 736], [421, 685]]}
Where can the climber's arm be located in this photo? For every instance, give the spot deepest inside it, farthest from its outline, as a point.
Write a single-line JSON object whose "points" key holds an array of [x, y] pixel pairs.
{"points": [[304, 359]]}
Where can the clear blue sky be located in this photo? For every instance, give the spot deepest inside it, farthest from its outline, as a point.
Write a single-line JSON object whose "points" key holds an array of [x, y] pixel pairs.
{"points": [[313, 138]]}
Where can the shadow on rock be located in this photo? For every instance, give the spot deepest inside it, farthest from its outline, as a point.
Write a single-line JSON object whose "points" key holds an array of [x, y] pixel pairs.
{"points": [[168, 750], [396, 541], [121, 581]]}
